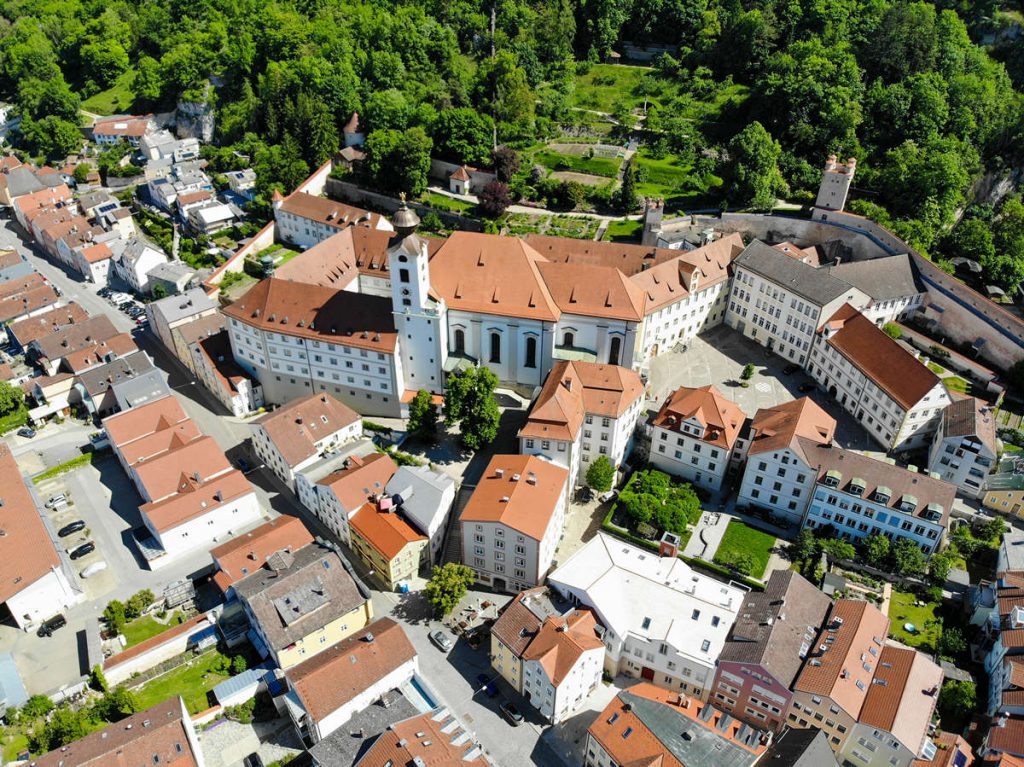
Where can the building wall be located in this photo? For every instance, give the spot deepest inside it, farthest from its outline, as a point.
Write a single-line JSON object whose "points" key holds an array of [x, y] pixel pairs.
{"points": [[749, 692], [876, 748], [560, 451], [43, 599], [693, 459], [201, 532], [809, 710], [405, 566], [511, 364], [778, 481], [961, 461], [319, 640], [680, 321], [1005, 501], [508, 665], [556, 704]]}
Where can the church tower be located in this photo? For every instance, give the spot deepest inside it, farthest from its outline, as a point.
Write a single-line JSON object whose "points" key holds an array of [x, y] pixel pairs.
{"points": [[420, 319]]}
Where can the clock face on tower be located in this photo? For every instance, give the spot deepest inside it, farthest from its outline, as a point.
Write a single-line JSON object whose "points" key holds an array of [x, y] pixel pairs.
{"points": [[405, 291]]}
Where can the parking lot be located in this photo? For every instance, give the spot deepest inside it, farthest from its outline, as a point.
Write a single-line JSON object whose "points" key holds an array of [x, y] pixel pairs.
{"points": [[718, 356]]}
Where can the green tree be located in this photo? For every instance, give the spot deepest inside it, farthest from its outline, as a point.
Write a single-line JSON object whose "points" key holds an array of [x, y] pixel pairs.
{"points": [[992, 531], [65, 725], [159, 291], [114, 615], [805, 548], [116, 705], [238, 664], [601, 474], [149, 83], [892, 330], [748, 372], [105, 61], [423, 416], [399, 161], [506, 163], [952, 643], [638, 506], [81, 173], [447, 586], [972, 238], [12, 398], [469, 402], [754, 157], [463, 135], [51, 136], [837, 548], [875, 550], [97, 679], [907, 558], [37, 706], [939, 566], [956, 700], [627, 196], [138, 603]]}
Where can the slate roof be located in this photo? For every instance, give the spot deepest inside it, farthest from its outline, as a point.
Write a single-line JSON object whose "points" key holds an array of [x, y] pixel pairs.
{"points": [[881, 278], [816, 285]]}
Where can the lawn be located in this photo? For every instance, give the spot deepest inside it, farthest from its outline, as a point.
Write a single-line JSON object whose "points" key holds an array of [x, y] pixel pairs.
{"points": [[671, 179], [936, 368], [15, 742], [595, 166], [902, 610], [71, 465], [192, 682], [443, 202], [141, 629], [14, 420], [606, 85], [744, 542], [957, 384], [116, 99], [623, 231]]}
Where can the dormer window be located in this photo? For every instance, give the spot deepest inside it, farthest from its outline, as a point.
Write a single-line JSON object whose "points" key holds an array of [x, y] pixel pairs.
{"points": [[908, 504], [832, 478], [933, 512], [857, 486], [882, 494]]}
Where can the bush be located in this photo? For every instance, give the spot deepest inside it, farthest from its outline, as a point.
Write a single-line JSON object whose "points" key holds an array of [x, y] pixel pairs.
{"points": [[36, 706], [114, 615], [242, 713], [892, 330]]}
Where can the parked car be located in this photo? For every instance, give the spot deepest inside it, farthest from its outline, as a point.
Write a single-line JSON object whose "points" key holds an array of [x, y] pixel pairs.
{"points": [[51, 624], [81, 551], [74, 527], [93, 569], [252, 760], [26, 432], [442, 642], [56, 499], [605, 497], [487, 685], [790, 369], [510, 712], [243, 465], [806, 387]]}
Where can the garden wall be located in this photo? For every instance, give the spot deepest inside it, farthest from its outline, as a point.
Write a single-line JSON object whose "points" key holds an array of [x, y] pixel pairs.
{"points": [[153, 651], [346, 191]]}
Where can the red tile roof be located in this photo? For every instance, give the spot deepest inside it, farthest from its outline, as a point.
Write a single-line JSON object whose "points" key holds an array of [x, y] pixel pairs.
{"points": [[246, 553], [902, 695], [720, 418], [386, 531], [130, 425], [361, 479], [518, 491], [296, 427], [433, 739], [777, 428]]}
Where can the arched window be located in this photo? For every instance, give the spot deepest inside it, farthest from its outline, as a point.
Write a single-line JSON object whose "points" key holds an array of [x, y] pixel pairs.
{"points": [[613, 355], [403, 259], [460, 341], [403, 275], [568, 338], [495, 347], [531, 352]]}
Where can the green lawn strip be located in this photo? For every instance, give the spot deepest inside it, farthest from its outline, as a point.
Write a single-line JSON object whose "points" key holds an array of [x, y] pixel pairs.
{"points": [[902, 610], [75, 463], [957, 384], [595, 166], [191, 682], [146, 627], [623, 231], [15, 742], [443, 202], [605, 86], [936, 368], [117, 99], [741, 540], [14, 420]]}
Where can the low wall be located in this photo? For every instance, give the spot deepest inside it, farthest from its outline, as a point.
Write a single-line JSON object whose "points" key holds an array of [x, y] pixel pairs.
{"points": [[956, 361], [153, 651], [263, 240], [441, 170], [346, 191]]}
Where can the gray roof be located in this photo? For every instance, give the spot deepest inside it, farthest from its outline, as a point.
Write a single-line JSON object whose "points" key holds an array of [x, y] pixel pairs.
{"points": [[422, 493], [188, 304], [97, 380], [971, 417], [881, 278], [688, 741], [141, 389], [172, 271], [313, 568], [251, 677], [1011, 550], [12, 689], [816, 285], [22, 180], [801, 748], [775, 628], [347, 744], [92, 199]]}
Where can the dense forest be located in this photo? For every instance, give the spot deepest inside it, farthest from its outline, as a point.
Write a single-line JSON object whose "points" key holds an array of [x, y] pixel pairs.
{"points": [[758, 91]]}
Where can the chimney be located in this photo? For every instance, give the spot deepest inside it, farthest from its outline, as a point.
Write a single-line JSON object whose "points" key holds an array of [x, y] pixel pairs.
{"points": [[668, 546], [499, 472], [531, 478]]}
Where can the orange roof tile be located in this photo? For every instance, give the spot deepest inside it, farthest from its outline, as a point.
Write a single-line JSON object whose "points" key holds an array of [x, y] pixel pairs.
{"points": [[179, 470], [362, 478], [518, 491], [776, 428], [246, 553], [433, 739], [296, 427], [902, 695], [387, 532], [195, 499], [721, 418], [593, 291], [561, 642], [96, 253]]}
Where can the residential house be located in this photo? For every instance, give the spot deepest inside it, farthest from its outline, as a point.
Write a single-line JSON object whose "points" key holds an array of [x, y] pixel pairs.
{"points": [[297, 434], [802, 748], [22, 333], [652, 726], [584, 410], [36, 581], [304, 220], [860, 496], [896, 398], [129, 128], [28, 206], [326, 690], [693, 435], [778, 475], [135, 261], [553, 658], [672, 628], [210, 219], [93, 262], [156, 144], [302, 602], [214, 366], [386, 543], [242, 182], [1004, 744], [513, 521], [94, 388], [244, 554], [173, 277], [13, 265], [435, 737], [774, 632], [30, 302], [161, 734], [425, 497], [140, 389], [53, 351], [1004, 487], [965, 447], [339, 495], [780, 301], [459, 181], [172, 312]]}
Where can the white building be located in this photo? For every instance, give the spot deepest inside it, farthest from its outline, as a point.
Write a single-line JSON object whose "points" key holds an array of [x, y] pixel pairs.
{"points": [[513, 521], [663, 621], [93, 262], [426, 498], [37, 580], [965, 446], [214, 366], [889, 282], [835, 183], [896, 398], [128, 128], [304, 219], [133, 261], [337, 497], [242, 182], [298, 434], [693, 435], [583, 411], [861, 496], [778, 475], [172, 312], [779, 301]]}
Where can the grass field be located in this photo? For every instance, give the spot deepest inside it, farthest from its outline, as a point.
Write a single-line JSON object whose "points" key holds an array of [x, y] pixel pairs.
{"points": [[116, 99], [141, 629], [14, 420], [607, 85], [191, 682], [623, 231], [672, 180], [443, 202], [596, 166], [902, 610], [935, 368], [957, 384], [742, 541]]}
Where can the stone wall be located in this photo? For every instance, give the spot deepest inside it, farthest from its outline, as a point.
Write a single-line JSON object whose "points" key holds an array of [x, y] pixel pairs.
{"points": [[345, 191], [478, 179]]}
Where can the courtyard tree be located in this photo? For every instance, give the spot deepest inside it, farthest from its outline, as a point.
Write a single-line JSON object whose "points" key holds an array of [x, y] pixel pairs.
{"points": [[423, 415], [956, 699], [601, 474], [907, 558], [12, 398], [114, 615], [495, 199], [756, 179], [804, 549], [875, 550], [506, 163], [627, 192], [939, 566], [470, 403], [447, 586]]}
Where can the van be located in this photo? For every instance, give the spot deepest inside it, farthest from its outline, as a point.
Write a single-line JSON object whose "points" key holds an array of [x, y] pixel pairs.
{"points": [[51, 624]]}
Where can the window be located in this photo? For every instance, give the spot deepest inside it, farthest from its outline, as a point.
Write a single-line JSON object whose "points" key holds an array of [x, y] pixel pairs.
{"points": [[705, 645], [531, 352], [403, 275], [495, 347], [460, 341], [568, 339], [616, 349]]}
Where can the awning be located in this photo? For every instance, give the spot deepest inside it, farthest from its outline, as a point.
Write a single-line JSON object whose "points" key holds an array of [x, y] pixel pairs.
{"points": [[457, 364]]}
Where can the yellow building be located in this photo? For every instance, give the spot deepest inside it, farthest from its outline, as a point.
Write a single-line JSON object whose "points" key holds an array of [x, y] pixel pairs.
{"points": [[515, 628], [301, 602], [388, 544], [1004, 489]]}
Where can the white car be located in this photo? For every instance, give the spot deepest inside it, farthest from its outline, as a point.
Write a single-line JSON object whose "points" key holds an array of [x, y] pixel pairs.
{"points": [[93, 569]]}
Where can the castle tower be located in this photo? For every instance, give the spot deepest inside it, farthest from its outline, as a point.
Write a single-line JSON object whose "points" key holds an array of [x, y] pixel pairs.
{"points": [[654, 210], [421, 320], [835, 183]]}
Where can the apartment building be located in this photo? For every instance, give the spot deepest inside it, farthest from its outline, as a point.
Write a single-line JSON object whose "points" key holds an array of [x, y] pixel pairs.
{"points": [[861, 496], [554, 658], [129, 128], [889, 282], [435, 737], [303, 219], [693, 435], [392, 548], [215, 367], [298, 339], [896, 398], [425, 497], [167, 314], [652, 726], [340, 494], [778, 474], [133, 260], [774, 632], [780, 301], [584, 410], [672, 627], [965, 447], [298, 433], [246, 553], [513, 521]]}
